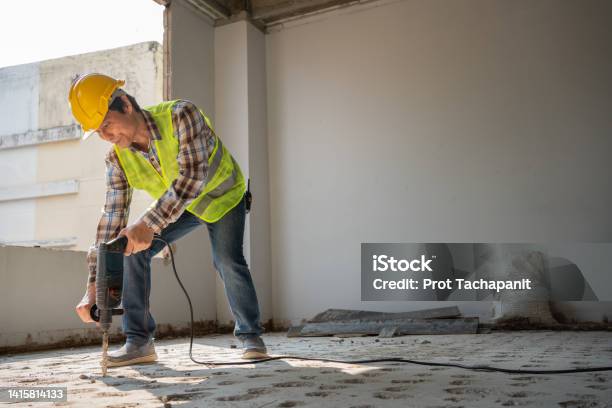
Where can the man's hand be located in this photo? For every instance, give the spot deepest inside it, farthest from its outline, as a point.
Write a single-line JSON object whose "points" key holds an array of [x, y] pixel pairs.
{"points": [[139, 237], [84, 306]]}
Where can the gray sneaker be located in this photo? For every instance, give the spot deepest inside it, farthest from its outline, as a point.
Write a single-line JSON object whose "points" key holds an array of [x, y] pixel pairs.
{"points": [[132, 354], [253, 347]]}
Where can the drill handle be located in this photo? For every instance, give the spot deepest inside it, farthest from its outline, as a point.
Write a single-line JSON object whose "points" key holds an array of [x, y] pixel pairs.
{"points": [[94, 313], [117, 245]]}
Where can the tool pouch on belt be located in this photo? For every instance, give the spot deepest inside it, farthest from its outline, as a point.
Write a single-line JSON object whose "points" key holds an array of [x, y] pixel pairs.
{"points": [[248, 198]]}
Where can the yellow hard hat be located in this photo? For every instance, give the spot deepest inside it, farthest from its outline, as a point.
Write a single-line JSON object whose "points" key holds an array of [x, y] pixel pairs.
{"points": [[89, 97]]}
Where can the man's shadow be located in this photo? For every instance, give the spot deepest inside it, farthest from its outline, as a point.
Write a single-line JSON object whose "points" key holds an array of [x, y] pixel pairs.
{"points": [[260, 385]]}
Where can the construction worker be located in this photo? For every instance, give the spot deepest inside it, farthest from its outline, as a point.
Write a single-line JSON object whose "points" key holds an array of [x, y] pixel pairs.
{"points": [[171, 151]]}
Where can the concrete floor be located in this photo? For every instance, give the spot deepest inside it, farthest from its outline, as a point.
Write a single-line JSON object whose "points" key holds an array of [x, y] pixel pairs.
{"points": [[176, 381]]}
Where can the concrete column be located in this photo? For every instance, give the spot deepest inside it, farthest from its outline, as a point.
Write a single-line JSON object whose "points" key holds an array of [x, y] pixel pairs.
{"points": [[191, 53], [241, 122]]}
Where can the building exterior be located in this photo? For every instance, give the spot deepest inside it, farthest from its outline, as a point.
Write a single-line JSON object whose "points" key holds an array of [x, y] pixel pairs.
{"points": [[52, 185]]}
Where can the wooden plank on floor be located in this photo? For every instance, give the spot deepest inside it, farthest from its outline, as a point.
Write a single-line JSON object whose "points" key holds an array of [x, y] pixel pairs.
{"points": [[343, 314], [466, 325]]}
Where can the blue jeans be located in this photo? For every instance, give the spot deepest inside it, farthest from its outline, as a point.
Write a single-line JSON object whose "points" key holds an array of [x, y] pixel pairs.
{"points": [[226, 237]]}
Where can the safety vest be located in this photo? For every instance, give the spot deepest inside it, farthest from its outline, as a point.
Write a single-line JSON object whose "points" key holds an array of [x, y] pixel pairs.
{"points": [[224, 183]]}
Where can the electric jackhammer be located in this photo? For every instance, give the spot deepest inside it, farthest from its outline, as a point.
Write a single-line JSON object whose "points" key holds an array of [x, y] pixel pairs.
{"points": [[109, 285]]}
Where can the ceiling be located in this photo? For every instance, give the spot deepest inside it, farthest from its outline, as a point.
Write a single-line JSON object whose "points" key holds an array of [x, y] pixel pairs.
{"points": [[261, 12]]}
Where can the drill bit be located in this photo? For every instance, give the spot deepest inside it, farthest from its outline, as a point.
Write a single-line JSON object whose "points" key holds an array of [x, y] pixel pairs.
{"points": [[104, 352]]}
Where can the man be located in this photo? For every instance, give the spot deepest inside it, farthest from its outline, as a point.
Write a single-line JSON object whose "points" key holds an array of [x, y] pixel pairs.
{"points": [[171, 151]]}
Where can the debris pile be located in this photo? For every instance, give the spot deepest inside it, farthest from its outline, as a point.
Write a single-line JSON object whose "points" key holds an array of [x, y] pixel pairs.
{"points": [[349, 323]]}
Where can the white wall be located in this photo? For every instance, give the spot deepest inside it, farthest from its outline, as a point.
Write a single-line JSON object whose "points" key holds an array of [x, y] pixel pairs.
{"points": [[192, 75], [41, 287], [216, 69], [192, 57], [259, 217], [240, 104], [433, 121], [231, 119]]}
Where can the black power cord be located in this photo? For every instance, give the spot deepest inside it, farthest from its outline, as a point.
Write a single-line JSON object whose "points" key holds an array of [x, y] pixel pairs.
{"points": [[366, 361]]}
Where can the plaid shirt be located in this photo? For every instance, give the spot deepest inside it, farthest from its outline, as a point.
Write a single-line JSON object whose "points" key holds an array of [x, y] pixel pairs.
{"points": [[196, 143]]}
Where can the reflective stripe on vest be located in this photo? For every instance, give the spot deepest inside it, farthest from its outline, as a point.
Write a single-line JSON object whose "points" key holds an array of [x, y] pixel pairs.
{"points": [[224, 184]]}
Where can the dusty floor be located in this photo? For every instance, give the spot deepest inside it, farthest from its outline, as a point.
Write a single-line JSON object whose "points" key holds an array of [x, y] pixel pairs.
{"points": [[175, 380]]}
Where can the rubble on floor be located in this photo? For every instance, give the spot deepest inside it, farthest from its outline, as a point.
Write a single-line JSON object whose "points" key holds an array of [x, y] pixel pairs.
{"points": [[341, 322], [176, 381]]}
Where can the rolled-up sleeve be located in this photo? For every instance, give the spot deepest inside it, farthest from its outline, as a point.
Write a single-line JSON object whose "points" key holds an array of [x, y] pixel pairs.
{"points": [[115, 212]]}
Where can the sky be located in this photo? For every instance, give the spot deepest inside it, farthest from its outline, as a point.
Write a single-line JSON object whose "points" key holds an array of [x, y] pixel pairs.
{"points": [[37, 30]]}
